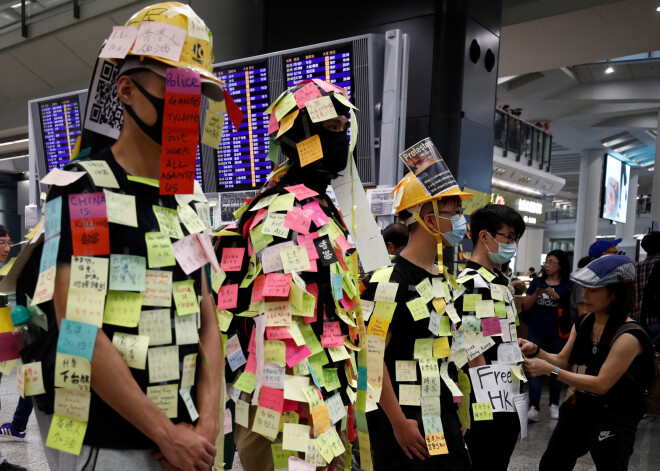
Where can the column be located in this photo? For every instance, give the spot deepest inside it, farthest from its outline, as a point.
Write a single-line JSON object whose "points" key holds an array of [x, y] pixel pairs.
{"points": [[588, 208], [626, 231], [655, 190]]}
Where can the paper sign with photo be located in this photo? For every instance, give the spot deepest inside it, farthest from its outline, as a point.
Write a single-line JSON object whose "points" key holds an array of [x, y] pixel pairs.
{"points": [[425, 162]]}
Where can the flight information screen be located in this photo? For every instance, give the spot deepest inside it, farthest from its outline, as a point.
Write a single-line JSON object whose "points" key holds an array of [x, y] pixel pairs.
{"points": [[61, 125], [332, 65], [243, 161], [198, 168]]}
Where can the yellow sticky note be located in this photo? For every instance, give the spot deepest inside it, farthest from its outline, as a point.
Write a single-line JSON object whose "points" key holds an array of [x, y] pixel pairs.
{"points": [[166, 398], [409, 394], [441, 347], [295, 437], [185, 298], [33, 379], [6, 325], [7, 266], [488, 276], [158, 292], [213, 124], [168, 221], [484, 308], [259, 238], [469, 301], [320, 109], [132, 349], [185, 329], [436, 444], [266, 423], [72, 372], [45, 286], [71, 403], [122, 308], [120, 208], [89, 273], [286, 122], [189, 370], [242, 413], [275, 351], [295, 259], [321, 419], [382, 274], [384, 310], [217, 279], [338, 353], [224, 318], [423, 348], [248, 381], [7, 366], [482, 411], [425, 290], [406, 370], [85, 305], [310, 150], [100, 172], [156, 326], [324, 447], [274, 225], [66, 434], [159, 250], [418, 309], [163, 363], [190, 219], [386, 291], [294, 386], [439, 306], [518, 372], [284, 105]]}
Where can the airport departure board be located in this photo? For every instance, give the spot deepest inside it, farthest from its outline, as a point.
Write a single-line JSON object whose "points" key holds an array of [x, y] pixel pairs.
{"points": [[243, 161], [332, 65], [61, 125]]}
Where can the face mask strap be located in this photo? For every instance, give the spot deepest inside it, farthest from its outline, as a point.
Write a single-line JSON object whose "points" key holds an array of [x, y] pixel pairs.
{"points": [[436, 235]]}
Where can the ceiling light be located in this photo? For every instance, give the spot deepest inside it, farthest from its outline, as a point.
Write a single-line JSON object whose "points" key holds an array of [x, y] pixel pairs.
{"points": [[657, 9], [19, 141], [609, 70]]}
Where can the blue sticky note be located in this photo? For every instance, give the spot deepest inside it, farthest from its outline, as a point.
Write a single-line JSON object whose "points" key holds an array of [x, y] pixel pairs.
{"points": [[127, 272], [53, 218], [337, 289], [49, 254], [77, 338], [314, 378], [432, 424]]}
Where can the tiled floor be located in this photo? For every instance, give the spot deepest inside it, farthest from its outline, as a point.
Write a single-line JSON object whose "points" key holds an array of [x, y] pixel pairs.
{"points": [[526, 456]]}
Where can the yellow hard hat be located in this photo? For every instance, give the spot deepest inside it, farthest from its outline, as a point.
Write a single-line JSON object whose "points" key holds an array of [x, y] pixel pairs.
{"points": [[197, 51], [410, 192]]}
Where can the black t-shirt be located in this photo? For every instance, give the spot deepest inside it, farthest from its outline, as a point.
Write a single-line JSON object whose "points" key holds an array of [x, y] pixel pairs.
{"points": [[404, 329], [106, 428]]}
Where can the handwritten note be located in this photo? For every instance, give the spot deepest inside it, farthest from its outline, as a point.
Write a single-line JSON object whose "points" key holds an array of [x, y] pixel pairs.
{"points": [[228, 296], [89, 224], [77, 338], [155, 325], [66, 434], [100, 172], [159, 250], [85, 305], [309, 150], [127, 272], [122, 308], [189, 253], [163, 364], [321, 109], [132, 349], [121, 208], [294, 259], [89, 273], [185, 297], [168, 221], [158, 288], [232, 258], [72, 403], [165, 398], [305, 94], [72, 372], [119, 42]]}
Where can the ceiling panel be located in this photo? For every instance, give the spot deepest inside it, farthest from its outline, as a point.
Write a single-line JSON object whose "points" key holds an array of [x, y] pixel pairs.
{"points": [[16, 80], [53, 62], [85, 39]]}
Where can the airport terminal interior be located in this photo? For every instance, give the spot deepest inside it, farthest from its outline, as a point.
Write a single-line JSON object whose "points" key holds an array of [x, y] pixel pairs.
{"points": [[549, 107]]}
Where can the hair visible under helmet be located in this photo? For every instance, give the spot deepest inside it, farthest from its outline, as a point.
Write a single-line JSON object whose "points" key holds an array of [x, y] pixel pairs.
{"points": [[329, 101]]}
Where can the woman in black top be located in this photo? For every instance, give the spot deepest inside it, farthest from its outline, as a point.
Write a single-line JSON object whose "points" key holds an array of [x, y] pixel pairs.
{"points": [[602, 415]]}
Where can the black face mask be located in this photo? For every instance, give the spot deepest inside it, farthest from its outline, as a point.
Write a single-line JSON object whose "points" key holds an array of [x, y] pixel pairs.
{"points": [[154, 131], [335, 150]]}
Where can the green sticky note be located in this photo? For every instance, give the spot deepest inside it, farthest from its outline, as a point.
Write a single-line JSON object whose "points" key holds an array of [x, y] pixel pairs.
{"points": [[488, 276], [384, 310], [500, 309], [310, 338], [423, 348], [464, 405], [331, 379], [472, 322], [190, 219], [282, 203], [274, 152], [484, 308], [425, 290], [159, 250], [239, 212], [224, 319], [280, 456], [168, 221], [246, 382], [382, 274], [418, 309], [469, 301], [445, 327], [122, 308], [259, 239], [185, 298]]}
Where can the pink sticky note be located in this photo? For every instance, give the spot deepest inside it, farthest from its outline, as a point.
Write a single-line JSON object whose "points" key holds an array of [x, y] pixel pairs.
{"points": [[273, 125], [347, 303], [328, 87], [277, 285], [228, 296], [251, 364], [313, 289], [343, 243], [289, 405], [10, 345], [277, 333], [491, 326], [160, 40], [301, 192], [272, 398], [332, 336], [295, 354], [308, 242], [261, 214], [207, 246], [306, 93], [297, 464], [228, 421], [189, 253], [258, 288], [318, 216], [87, 206], [297, 220], [313, 268], [119, 43], [232, 258], [252, 344]]}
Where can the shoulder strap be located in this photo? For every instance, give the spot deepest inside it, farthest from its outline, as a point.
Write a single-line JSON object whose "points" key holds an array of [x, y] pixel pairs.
{"points": [[627, 327]]}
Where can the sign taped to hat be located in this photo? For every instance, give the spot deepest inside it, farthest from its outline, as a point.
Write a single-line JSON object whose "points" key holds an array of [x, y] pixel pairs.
{"points": [[425, 162]]}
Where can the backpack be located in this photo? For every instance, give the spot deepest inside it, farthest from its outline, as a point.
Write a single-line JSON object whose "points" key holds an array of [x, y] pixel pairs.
{"points": [[653, 392], [651, 295]]}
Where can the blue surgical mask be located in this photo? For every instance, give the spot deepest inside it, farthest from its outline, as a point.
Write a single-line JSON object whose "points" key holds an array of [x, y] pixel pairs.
{"points": [[505, 252], [458, 229]]}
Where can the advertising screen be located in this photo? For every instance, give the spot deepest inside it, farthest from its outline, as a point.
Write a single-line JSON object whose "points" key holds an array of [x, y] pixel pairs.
{"points": [[616, 179]]}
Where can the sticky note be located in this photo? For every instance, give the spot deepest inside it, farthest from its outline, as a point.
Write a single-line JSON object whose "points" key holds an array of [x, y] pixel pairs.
{"points": [[295, 437], [303, 95], [386, 291], [165, 398], [242, 413], [72, 372], [190, 219], [132, 349], [418, 309], [271, 398], [89, 273], [66, 434], [246, 382], [33, 382], [86, 306], [436, 444], [441, 347], [482, 411], [163, 364], [213, 124], [77, 338], [298, 220], [275, 352], [296, 464], [190, 253], [277, 285], [185, 297], [295, 259], [425, 290], [160, 252], [409, 394], [285, 105], [469, 301], [266, 423], [309, 150], [189, 370], [127, 272], [228, 296], [321, 109], [122, 308], [89, 224], [232, 258], [274, 225], [158, 288], [72, 403], [301, 192], [100, 172], [185, 329], [484, 308], [293, 387], [59, 177], [119, 42], [168, 221], [491, 326], [121, 208], [286, 122], [423, 348]]}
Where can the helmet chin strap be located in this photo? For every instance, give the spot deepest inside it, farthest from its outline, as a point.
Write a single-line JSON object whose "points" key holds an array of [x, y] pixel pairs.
{"points": [[436, 235]]}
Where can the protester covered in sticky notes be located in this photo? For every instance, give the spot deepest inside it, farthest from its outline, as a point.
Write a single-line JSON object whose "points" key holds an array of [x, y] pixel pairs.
{"points": [[137, 362], [288, 296], [412, 353]]}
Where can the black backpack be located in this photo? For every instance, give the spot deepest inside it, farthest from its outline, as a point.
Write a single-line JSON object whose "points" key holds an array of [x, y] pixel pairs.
{"points": [[651, 297]]}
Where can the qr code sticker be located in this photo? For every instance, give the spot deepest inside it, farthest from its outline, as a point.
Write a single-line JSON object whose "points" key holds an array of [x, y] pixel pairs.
{"points": [[104, 113]]}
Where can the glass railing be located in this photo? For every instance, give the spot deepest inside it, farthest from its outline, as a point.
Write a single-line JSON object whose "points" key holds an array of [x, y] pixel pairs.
{"points": [[557, 215], [522, 141]]}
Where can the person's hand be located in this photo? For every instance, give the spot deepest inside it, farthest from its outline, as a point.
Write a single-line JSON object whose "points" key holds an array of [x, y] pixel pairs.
{"points": [[535, 367], [551, 293], [527, 347], [410, 439], [185, 449]]}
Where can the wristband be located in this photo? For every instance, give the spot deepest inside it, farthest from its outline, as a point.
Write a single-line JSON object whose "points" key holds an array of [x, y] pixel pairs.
{"points": [[538, 349]]}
